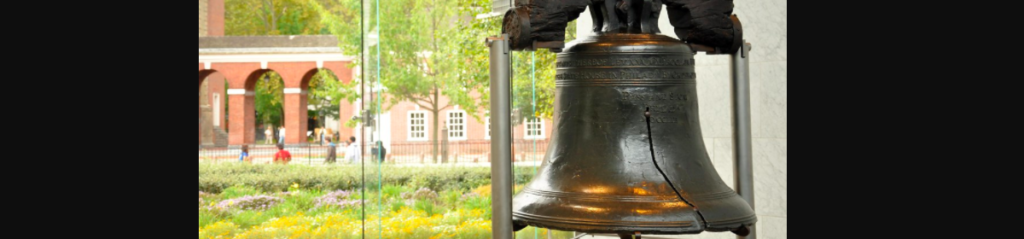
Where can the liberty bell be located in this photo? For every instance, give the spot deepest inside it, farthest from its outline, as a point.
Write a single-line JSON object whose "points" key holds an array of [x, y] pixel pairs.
{"points": [[626, 155]]}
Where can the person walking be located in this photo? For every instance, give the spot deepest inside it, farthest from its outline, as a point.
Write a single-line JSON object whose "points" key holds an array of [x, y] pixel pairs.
{"points": [[352, 153], [281, 135], [379, 152], [332, 151]]}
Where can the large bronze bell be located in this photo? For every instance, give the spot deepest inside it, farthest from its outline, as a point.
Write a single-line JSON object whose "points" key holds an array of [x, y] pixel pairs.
{"points": [[623, 102]]}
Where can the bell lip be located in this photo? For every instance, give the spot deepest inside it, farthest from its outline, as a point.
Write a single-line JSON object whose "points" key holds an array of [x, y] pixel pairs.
{"points": [[730, 224], [685, 228], [719, 221], [691, 228]]}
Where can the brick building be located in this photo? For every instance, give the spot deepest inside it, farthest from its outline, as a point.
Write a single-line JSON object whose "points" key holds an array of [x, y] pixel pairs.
{"points": [[229, 66]]}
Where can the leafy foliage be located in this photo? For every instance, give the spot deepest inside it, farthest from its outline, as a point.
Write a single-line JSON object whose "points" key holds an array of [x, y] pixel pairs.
{"points": [[217, 177], [270, 17], [419, 50], [269, 99]]}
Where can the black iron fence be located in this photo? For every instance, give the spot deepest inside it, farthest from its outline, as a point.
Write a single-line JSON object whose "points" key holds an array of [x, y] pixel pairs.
{"points": [[467, 151]]}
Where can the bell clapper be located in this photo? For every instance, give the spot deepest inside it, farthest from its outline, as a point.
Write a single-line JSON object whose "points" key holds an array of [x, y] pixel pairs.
{"points": [[743, 230], [625, 235]]}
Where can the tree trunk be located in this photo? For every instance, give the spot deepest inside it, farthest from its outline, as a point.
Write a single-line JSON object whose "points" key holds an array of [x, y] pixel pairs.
{"points": [[433, 137]]}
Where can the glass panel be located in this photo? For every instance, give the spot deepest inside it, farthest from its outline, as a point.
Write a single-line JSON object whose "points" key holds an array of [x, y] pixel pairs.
{"points": [[395, 174]]}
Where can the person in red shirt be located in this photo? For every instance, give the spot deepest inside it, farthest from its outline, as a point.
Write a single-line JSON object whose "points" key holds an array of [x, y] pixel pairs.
{"points": [[282, 155]]}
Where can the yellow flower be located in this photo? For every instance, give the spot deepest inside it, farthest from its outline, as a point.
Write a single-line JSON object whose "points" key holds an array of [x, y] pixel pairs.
{"points": [[231, 202]]}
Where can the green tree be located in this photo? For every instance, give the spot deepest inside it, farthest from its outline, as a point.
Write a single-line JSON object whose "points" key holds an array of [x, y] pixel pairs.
{"points": [[270, 17], [340, 18], [287, 17], [326, 93], [422, 54], [269, 98], [541, 65], [424, 61], [433, 48]]}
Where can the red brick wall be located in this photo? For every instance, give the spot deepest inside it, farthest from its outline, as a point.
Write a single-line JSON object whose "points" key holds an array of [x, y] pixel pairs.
{"points": [[344, 74], [344, 114], [294, 74], [216, 86], [241, 130], [215, 18]]}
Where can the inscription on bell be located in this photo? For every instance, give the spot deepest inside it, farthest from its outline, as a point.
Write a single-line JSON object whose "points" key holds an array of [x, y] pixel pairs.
{"points": [[666, 108], [634, 61], [653, 96], [670, 74]]}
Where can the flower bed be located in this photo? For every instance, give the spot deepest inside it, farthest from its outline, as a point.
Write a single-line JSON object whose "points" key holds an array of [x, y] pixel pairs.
{"points": [[238, 200], [214, 178]]}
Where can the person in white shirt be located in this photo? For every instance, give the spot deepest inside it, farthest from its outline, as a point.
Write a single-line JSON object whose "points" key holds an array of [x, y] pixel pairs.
{"points": [[281, 136], [352, 154]]}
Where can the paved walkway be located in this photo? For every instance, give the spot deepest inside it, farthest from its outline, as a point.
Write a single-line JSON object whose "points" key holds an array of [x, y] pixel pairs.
{"points": [[320, 161], [315, 155]]}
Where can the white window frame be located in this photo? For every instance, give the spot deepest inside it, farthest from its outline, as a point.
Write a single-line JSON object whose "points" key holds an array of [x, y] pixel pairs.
{"points": [[216, 109], [409, 135], [487, 124], [526, 128], [448, 123]]}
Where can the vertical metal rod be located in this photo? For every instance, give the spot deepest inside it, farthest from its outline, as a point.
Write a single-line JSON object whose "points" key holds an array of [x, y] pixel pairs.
{"points": [[743, 165], [501, 139], [380, 148], [362, 124]]}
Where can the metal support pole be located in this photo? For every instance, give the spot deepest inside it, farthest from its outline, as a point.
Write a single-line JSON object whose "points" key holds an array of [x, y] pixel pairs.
{"points": [[501, 138], [743, 165]]}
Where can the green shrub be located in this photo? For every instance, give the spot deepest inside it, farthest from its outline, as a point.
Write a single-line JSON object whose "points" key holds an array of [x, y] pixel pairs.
{"points": [[239, 191], [216, 178], [392, 191], [426, 206]]}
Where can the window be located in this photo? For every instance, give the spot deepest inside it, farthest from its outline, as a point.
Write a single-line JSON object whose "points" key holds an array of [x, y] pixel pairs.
{"points": [[487, 123], [216, 109], [534, 128], [456, 125], [417, 125]]}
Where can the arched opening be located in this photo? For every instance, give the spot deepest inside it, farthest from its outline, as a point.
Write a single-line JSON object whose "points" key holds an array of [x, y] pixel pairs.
{"points": [[212, 109], [268, 107], [324, 95]]}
